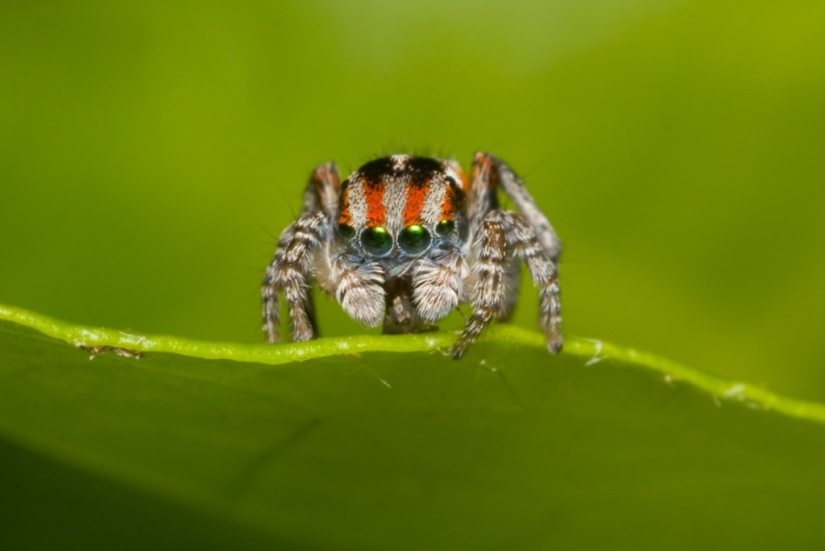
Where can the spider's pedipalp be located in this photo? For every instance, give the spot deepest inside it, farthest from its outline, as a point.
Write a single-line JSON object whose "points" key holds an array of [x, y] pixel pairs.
{"points": [[360, 290], [438, 283]]}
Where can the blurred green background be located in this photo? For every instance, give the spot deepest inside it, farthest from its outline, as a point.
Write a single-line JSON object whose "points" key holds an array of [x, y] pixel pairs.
{"points": [[150, 151]]}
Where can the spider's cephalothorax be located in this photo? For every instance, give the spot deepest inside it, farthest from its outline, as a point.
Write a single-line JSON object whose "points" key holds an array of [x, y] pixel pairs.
{"points": [[404, 240]]}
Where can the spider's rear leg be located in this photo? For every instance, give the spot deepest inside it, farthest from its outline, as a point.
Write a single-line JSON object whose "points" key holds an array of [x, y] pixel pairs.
{"points": [[288, 273], [322, 190], [491, 173], [526, 246]]}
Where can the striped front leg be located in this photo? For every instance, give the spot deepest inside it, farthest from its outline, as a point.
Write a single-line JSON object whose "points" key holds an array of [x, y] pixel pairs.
{"points": [[289, 273]]}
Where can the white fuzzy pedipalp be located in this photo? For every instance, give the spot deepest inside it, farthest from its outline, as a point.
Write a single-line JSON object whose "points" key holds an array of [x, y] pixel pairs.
{"points": [[360, 290], [438, 284]]}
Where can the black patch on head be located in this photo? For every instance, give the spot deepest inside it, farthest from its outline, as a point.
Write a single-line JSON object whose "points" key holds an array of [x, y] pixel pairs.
{"points": [[424, 164], [375, 171], [458, 197], [423, 170]]}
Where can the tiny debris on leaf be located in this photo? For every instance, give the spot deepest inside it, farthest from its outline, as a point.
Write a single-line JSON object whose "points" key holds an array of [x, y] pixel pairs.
{"points": [[98, 350]]}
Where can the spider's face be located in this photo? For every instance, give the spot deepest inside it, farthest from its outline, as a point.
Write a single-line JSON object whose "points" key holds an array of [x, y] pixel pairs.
{"points": [[403, 207]]}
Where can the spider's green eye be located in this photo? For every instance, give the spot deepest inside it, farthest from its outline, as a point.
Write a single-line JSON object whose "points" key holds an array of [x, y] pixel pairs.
{"points": [[414, 239], [346, 230], [444, 227], [376, 240]]}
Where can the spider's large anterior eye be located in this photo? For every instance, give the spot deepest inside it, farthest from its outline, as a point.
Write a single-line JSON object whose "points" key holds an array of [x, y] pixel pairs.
{"points": [[376, 240], [444, 227], [346, 230], [414, 239]]}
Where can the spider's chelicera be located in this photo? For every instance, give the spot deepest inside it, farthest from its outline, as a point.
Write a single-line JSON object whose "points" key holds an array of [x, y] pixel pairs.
{"points": [[404, 240]]}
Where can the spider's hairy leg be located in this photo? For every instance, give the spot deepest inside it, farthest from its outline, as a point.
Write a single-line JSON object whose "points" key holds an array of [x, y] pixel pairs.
{"points": [[322, 190], [298, 244], [529, 236], [289, 272], [359, 288], [512, 283], [438, 283], [525, 244], [270, 308], [489, 173], [488, 293]]}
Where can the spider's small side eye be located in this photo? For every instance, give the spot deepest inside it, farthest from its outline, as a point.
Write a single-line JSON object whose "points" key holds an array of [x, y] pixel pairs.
{"points": [[444, 227], [346, 230], [414, 239], [376, 240]]}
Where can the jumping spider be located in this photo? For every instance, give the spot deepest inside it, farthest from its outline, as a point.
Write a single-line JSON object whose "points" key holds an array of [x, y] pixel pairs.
{"points": [[405, 239]]}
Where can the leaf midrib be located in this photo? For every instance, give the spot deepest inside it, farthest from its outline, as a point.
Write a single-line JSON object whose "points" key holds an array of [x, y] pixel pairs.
{"points": [[590, 350]]}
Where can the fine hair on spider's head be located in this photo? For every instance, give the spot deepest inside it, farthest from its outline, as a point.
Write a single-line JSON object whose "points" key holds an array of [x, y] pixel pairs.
{"points": [[401, 206]]}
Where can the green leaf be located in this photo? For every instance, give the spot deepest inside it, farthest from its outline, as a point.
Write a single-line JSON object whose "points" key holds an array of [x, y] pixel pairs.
{"points": [[387, 443]]}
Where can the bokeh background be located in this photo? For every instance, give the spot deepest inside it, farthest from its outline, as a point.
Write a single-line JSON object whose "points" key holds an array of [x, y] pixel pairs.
{"points": [[150, 153]]}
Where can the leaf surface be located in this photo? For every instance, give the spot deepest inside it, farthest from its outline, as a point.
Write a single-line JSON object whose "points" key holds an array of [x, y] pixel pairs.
{"points": [[387, 443]]}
